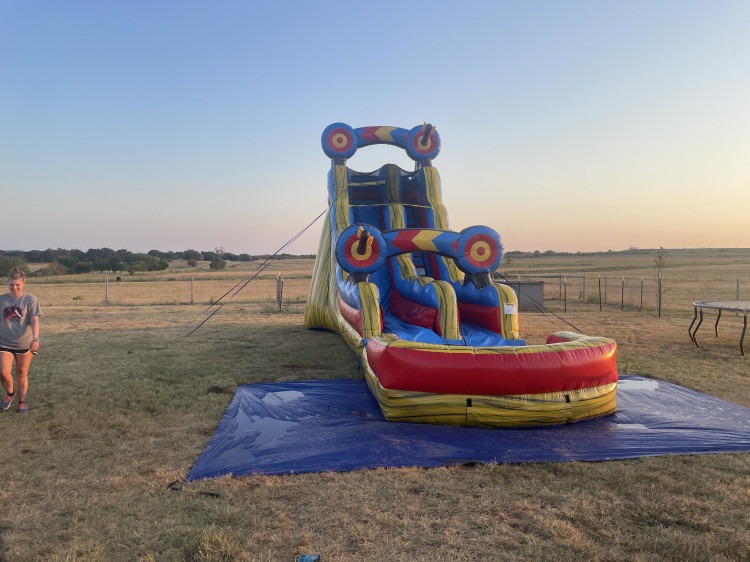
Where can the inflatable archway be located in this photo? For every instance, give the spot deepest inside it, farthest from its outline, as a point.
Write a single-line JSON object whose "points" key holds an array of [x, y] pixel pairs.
{"points": [[437, 338]]}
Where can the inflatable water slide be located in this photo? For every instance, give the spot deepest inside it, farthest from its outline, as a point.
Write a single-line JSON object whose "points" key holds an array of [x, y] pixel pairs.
{"points": [[437, 338]]}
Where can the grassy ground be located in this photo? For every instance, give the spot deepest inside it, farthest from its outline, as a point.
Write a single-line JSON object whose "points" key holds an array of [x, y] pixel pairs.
{"points": [[122, 404]]}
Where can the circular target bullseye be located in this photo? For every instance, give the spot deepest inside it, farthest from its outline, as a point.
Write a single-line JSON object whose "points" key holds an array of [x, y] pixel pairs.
{"points": [[479, 249], [360, 259], [423, 144], [420, 146], [360, 251], [339, 140]]}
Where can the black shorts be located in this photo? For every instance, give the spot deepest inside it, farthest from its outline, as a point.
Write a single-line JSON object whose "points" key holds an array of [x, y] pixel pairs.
{"points": [[14, 351]]}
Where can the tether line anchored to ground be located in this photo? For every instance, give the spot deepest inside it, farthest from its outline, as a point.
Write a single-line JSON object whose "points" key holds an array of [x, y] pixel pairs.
{"points": [[220, 302], [539, 306]]}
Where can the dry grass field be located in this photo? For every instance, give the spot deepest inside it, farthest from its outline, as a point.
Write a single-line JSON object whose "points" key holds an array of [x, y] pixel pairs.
{"points": [[122, 403]]}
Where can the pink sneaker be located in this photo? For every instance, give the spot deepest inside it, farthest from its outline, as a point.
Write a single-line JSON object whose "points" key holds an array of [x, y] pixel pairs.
{"points": [[22, 408], [5, 404]]}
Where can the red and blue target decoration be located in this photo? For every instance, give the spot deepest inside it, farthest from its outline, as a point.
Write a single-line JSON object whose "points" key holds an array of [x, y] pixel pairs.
{"points": [[363, 248], [339, 140], [360, 248], [423, 143], [479, 249]]}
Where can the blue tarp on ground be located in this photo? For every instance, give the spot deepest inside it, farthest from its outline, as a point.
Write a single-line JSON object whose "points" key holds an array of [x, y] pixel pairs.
{"points": [[311, 426]]}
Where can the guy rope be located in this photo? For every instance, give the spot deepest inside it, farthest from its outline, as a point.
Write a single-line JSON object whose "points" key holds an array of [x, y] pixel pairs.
{"points": [[217, 305]]}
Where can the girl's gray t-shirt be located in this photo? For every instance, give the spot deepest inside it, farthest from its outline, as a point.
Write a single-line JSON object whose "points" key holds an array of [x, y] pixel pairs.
{"points": [[15, 325]]}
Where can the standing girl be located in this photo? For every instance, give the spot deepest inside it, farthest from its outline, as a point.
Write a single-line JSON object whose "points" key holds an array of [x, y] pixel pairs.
{"points": [[19, 339]]}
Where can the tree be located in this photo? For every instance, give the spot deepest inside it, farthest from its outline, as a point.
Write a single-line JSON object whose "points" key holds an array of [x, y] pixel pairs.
{"points": [[68, 262], [218, 263], [9, 262], [192, 255], [145, 262], [660, 259], [34, 256], [84, 267]]}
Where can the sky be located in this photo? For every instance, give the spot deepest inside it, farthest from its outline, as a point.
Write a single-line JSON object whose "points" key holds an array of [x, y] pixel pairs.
{"points": [[568, 126]]}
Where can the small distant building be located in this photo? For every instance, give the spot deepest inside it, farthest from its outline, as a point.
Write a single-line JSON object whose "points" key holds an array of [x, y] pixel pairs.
{"points": [[530, 294]]}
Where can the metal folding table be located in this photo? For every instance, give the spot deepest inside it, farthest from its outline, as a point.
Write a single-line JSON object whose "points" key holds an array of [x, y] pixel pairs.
{"points": [[734, 306]]}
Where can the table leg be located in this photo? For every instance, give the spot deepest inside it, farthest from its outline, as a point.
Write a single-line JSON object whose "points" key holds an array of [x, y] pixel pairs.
{"points": [[716, 326], [690, 328], [695, 338]]}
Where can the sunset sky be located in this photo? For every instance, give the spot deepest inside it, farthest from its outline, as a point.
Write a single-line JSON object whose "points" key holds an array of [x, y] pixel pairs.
{"points": [[567, 126]]}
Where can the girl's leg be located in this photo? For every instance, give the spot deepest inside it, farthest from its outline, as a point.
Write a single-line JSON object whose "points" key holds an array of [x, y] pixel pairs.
{"points": [[6, 367], [22, 370]]}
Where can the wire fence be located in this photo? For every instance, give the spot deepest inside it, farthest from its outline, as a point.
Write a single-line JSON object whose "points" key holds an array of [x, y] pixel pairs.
{"points": [[557, 292], [166, 291], [566, 292]]}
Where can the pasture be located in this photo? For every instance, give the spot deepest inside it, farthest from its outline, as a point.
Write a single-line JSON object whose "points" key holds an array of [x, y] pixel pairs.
{"points": [[122, 403]]}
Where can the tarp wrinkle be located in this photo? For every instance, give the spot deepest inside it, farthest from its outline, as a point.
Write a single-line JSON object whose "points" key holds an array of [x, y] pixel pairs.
{"points": [[312, 426]]}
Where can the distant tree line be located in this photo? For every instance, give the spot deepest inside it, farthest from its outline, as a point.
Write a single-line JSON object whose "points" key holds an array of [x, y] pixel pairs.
{"points": [[63, 262], [549, 253]]}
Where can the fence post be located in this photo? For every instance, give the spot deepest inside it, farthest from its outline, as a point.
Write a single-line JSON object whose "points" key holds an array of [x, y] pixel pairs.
{"points": [[192, 294], [658, 297], [600, 294], [279, 290], [561, 286], [565, 284], [106, 290], [622, 294]]}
